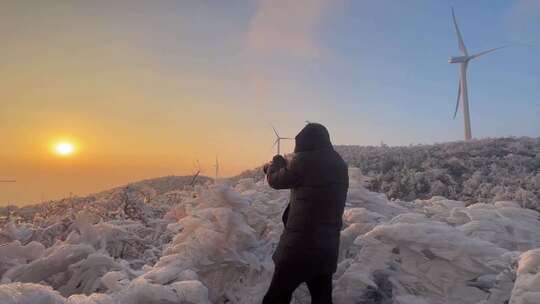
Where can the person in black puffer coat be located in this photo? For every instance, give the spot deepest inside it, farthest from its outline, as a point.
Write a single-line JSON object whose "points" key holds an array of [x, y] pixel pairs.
{"points": [[308, 248]]}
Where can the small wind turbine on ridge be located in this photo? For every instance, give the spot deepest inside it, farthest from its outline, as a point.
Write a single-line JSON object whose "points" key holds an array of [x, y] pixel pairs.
{"points": [[216, 166], [278, 140], [196, 173]]}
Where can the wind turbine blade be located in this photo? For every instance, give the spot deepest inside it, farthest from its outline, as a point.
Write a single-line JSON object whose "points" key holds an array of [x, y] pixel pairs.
{"points": [[458, 99], [277, 135], [458, 33], [275, 142], [488, 51]]}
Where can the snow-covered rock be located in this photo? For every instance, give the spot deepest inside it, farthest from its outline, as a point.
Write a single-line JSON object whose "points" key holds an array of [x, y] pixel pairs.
{"points": [[527, 287], [212, 244], [28, 293]]}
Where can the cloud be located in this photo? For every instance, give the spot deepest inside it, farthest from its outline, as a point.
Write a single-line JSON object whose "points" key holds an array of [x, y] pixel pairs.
{"points": [[285, 27]]}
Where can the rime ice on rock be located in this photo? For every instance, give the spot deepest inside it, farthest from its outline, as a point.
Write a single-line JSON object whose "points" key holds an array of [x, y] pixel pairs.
{"points": [[212, 244], [27, 293], [527, 287], [215, 241]]}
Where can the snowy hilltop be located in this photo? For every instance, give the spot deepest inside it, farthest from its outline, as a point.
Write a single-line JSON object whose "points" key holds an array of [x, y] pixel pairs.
{"points": [[212, 243], [486, 170]]}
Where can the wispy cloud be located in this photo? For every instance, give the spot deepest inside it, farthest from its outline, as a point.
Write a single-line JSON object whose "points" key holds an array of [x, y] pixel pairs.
{"points": [[286, 27]]}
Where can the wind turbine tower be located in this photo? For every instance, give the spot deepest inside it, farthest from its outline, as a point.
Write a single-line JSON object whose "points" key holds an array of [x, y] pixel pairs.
{"points": [[278, 140], [463, 61], [216, 166]]}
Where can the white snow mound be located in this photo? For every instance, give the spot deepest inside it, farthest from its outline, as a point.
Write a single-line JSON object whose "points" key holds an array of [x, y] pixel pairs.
{"points": [[213, 243]]}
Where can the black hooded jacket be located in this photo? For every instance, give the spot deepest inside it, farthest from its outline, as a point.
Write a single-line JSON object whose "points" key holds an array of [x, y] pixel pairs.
{"points": [[318, 179]]}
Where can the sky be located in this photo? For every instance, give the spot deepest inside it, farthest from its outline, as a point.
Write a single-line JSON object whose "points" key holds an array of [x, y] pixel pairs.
{"points": [[146, 88]]}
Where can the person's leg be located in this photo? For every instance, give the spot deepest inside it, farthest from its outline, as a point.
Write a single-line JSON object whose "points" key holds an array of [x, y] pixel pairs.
{"points": [[282, 286], [320, 288]]}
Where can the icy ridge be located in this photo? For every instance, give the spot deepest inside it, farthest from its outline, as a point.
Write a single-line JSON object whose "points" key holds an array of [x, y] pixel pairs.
{"points": [[212, 244]]}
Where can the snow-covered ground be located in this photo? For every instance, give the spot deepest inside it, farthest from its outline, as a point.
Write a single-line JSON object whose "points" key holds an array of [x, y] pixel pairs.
{"points": [[485, 170], [212, 244], [480, 171]]}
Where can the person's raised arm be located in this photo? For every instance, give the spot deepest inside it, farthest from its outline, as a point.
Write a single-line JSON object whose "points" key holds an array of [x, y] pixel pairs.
{"points": [[282, 176]]}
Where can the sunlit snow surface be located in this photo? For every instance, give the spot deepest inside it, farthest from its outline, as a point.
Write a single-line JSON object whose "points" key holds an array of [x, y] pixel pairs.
{"points": [[212, 244]]}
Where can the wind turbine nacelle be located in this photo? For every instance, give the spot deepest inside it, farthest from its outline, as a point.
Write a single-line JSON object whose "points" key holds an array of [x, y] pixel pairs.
{"points": [[458, 59]]}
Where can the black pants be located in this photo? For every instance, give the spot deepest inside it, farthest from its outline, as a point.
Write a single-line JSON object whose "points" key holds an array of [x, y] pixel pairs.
{"points": [[284, 283]]}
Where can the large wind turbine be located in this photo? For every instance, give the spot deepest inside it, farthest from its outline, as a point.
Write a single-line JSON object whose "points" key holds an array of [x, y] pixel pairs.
{"points": [[463, 61], [278, 140]]}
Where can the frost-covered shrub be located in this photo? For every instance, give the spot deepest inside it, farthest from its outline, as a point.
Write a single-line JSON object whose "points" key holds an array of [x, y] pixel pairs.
{"points": [[485, 171]]}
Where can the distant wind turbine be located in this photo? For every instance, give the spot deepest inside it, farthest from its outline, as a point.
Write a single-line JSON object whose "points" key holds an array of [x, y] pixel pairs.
{"points": [[463, 61], [216, 166], [278, 140], [196, 173]]}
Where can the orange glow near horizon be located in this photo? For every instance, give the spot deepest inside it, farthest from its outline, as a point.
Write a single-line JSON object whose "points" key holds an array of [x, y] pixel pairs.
{"points": [[136, 98]]}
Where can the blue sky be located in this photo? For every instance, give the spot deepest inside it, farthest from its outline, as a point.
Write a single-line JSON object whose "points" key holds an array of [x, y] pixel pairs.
{"points": [[372, 70], [384, 71], [405, 47]]}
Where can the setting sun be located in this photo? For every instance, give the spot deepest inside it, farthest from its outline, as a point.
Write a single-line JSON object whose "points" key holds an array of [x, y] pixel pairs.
{"points": [[64, 148]]}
